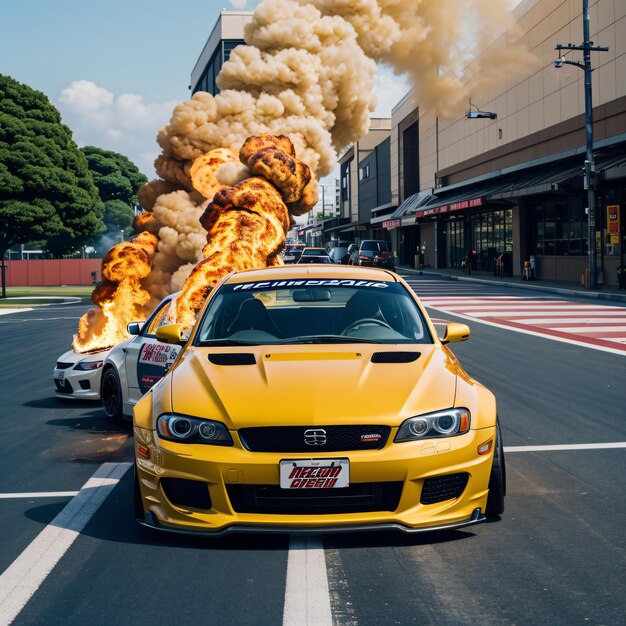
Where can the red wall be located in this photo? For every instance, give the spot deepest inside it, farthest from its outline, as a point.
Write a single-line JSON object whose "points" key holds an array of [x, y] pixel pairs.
{"points": [[52, 272]]}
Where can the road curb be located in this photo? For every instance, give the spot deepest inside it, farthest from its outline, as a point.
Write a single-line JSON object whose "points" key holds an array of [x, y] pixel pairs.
{"points": [[597, 295]]}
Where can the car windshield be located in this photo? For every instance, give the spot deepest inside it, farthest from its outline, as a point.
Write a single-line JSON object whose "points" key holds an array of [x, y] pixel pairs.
{"points": [[374, 246], [307, 258], [312, 311]]}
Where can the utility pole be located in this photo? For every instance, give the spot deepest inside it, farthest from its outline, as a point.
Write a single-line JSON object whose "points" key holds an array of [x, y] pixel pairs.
{"points": [[4, 285], [590, 166]]}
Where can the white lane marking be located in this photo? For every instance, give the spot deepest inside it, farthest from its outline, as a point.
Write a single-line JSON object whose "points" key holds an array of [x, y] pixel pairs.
{"points": [[568, 446], [9, 311], [588, 329], [307, 601], [566, 319], [24, 576], [39, 319], [38, 494], [546, 313], [534, 333]]}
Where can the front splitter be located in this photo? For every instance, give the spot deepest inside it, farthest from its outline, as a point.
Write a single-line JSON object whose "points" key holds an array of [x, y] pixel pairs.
{"points": [[150, 521]]}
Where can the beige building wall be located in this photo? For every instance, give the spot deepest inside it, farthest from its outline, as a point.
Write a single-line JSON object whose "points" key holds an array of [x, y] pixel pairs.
{"points": [[380, 127], [401, 115], [543, 97]]}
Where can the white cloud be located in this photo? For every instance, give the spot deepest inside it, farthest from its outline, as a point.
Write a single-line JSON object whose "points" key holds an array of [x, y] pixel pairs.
{"points": [[124, 123], [239, 4]]}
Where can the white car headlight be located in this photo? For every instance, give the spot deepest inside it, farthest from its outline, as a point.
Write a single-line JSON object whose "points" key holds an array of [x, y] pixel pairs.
{"points": [[440, 424], [88, 366]]}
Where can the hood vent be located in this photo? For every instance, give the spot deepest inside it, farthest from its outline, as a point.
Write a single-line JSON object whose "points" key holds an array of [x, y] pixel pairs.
{"points": [[395, 357], [234, 358]]}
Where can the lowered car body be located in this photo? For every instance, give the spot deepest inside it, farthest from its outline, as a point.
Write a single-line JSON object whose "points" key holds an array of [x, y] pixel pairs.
{"points": [[316, 398]]}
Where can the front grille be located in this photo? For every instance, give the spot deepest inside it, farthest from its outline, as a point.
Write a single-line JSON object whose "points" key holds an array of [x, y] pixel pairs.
{"points": [[442, 488], [63, 366], [193, 494], [293, 438], [356, 498], [63, 387]]}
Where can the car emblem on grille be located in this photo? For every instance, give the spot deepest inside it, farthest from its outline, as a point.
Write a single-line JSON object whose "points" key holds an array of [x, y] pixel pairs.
{"points": [[315, 437]]}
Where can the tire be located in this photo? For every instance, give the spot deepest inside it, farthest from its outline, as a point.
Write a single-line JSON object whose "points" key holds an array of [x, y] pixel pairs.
{"points": [[497, 479], [111, 395]]}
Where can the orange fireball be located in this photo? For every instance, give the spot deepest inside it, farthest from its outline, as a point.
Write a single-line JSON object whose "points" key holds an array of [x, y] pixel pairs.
{"points": [[120, 297], [246, 224]]}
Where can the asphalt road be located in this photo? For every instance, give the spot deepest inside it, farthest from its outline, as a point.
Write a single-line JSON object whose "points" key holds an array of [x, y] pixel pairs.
{"points": [[556, 557]]}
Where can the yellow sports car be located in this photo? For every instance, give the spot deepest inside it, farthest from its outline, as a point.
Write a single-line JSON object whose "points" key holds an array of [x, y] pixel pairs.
{"points": [[316, 398]]}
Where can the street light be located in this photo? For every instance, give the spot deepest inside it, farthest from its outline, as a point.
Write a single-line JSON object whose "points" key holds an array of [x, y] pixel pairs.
{"points": [[590, 166]]}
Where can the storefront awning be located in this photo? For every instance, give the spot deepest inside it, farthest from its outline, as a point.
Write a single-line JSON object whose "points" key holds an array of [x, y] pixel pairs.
{"points": [[547, 178], [345, 227], [412, 203]]}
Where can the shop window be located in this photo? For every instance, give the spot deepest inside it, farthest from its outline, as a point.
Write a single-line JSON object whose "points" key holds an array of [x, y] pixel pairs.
{"points": [[491, 233], [559, 228]]}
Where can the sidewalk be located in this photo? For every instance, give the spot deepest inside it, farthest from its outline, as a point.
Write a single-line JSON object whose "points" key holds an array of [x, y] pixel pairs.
{"points": [[550, 286]]}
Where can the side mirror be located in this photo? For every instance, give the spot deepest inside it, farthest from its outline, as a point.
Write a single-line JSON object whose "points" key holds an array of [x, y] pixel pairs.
{"points": [[170, 333], [134, 328], [455, 333]]}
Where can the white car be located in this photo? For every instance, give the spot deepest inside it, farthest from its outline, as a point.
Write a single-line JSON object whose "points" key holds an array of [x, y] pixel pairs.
{"points": [[78, 376], [134, 365]]}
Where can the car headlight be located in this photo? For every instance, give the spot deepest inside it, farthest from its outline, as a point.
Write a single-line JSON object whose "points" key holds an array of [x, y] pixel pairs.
{"points": [[446, 423], [88, 366], [185, 429]]}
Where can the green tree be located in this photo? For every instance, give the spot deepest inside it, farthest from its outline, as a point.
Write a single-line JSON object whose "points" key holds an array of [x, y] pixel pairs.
{"points": [[118, 215], [46, 189], [117, 179]]}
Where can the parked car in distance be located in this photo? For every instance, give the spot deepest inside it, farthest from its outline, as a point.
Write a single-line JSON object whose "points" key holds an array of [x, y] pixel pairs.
{"points": [[292, 252], [339, 253], [373, 253], [314, 252]]}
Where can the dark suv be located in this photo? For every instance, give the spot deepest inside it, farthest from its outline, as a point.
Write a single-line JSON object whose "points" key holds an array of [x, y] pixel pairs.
{"points": [[373, 253]]}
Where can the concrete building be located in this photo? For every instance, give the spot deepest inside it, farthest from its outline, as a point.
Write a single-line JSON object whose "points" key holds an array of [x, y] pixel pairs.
{"points": [[364, 179], [226, 35], [514, 184]]}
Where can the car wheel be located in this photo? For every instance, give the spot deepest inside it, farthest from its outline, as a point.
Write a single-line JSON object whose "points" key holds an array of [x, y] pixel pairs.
{"points": [[497, 479], [111, 394]]}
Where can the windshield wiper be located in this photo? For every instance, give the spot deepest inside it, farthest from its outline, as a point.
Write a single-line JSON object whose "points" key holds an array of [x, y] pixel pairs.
{"points": [[326, 339]]}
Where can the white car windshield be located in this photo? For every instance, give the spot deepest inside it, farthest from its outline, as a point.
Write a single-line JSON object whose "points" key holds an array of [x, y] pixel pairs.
{"points": [[312, 311]]}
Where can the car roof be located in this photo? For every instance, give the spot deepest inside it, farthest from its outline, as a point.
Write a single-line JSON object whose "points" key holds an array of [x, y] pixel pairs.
{"points": [[311, 271]]}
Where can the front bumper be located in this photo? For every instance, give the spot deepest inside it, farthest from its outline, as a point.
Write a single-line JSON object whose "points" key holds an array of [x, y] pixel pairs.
{"points": [[77, 385], [409, 463]]}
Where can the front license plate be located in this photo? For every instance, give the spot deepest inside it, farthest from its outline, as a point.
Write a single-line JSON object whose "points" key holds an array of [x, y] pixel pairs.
{"points": [[314, 473], [60, 375]]}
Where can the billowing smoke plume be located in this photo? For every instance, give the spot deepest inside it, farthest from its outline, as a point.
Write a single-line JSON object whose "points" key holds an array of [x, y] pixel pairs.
{"points": [[439, 44], [307, 72]]}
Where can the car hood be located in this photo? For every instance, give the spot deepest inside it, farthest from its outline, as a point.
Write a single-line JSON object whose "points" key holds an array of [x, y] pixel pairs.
{"points": [[74, 357], [298, 385]]}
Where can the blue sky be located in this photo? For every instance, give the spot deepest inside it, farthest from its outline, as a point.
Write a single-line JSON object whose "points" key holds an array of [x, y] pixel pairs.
{"points": [[116, 69]]}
